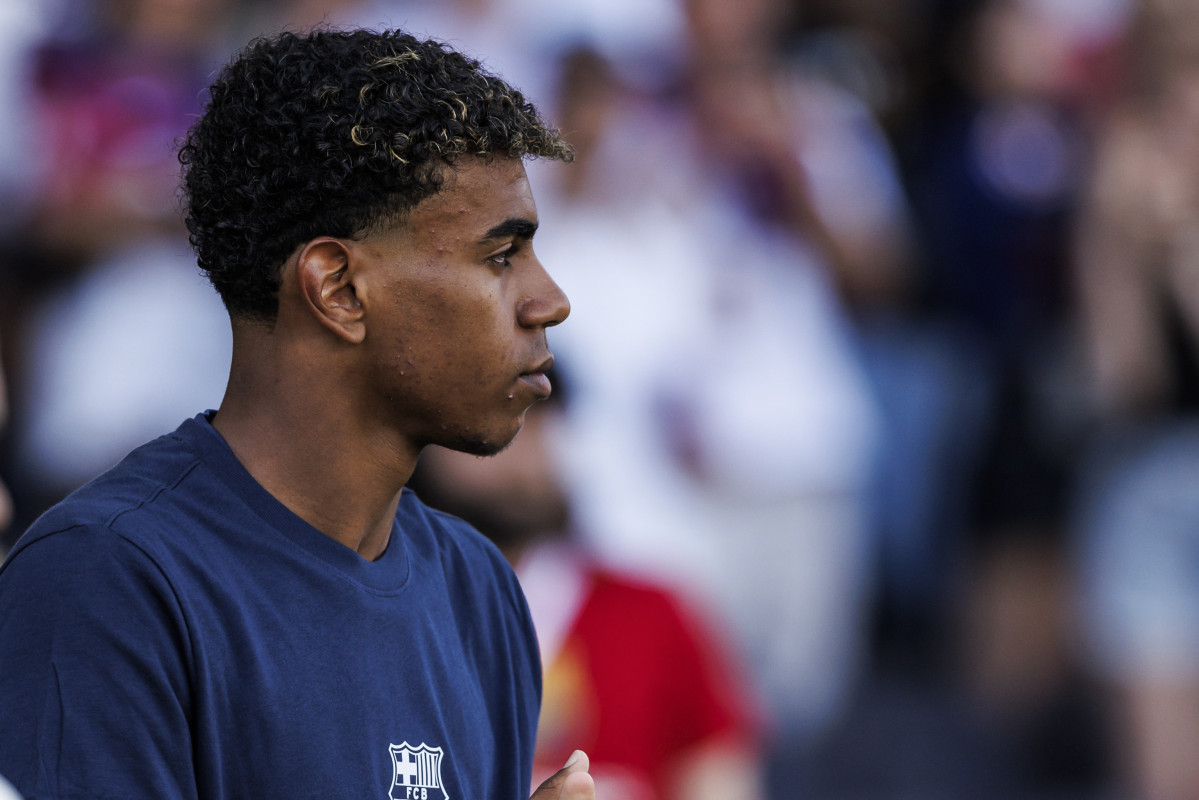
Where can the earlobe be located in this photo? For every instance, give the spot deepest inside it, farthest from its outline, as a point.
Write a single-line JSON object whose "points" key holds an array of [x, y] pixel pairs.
{"points": [[326, 280]]}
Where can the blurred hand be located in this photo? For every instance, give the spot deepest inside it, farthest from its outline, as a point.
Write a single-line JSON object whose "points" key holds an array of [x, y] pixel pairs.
{"points": [[572, 782]]}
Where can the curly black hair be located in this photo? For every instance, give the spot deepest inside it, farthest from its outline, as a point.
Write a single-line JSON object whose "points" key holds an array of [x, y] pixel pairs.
{"points": [[327, 134]]}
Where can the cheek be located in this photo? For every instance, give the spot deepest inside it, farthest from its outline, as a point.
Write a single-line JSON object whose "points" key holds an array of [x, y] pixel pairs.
{"points": [[453, 335], [455, 363]]}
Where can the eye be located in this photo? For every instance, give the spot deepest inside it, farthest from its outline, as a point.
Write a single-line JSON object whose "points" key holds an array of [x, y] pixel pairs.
{"points": [[504, 257]]}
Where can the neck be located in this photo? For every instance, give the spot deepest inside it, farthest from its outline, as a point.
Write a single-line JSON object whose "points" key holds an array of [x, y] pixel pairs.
{"points": [[292, 425]]}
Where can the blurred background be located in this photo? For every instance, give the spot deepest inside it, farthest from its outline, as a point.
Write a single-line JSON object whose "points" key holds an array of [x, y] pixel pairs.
{"points": [[873, 466]]}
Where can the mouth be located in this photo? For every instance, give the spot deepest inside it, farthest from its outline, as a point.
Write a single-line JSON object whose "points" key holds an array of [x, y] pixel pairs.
{"points": [[537, 379]]}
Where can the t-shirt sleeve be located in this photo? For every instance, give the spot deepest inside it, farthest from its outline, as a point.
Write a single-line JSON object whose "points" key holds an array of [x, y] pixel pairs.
{"points": [[94, 689]]}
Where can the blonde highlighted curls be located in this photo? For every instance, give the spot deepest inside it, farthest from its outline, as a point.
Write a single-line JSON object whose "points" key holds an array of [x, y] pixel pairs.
{"points": [[327, 133], [400, 78]]}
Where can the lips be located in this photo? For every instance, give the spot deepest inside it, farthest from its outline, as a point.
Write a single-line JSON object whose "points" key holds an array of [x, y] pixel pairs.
{"points": [[537, 380]]}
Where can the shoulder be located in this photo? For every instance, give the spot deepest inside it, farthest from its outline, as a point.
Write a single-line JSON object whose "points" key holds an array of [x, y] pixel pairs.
{"points": [[119, 501], [100, 535], [81, 564], [80, 591]]}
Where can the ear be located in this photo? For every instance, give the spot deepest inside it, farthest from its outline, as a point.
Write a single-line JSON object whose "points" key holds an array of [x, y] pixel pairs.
{"points": [[325, 277]]}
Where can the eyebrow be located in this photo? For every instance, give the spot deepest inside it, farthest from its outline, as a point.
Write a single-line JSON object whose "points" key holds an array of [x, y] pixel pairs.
{"points": [[519, 228]]}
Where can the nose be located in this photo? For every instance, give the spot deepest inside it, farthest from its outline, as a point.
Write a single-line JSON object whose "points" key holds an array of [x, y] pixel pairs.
{"points": [[544, 304]]}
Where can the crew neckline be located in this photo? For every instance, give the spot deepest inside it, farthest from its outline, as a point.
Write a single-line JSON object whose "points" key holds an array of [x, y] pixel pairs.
{"points": [[387, 574]]}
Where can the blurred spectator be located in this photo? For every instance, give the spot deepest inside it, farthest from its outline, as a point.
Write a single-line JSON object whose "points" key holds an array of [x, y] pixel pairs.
{"points": [[1138, 516], [113, 89], [632, 676], [22, 27], [22, 24], [996, 164], [130, 344], [698, 452], [110, 329], [518, 39], [6, 512], [796, 176]]}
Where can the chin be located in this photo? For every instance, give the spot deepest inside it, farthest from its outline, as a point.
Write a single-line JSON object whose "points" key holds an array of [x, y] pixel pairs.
{"points": [[482, 440], [480, 444], [479, 447]]}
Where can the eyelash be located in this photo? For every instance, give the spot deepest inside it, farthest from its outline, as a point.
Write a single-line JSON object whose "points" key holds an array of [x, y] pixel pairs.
{"points": [[504, 259]]}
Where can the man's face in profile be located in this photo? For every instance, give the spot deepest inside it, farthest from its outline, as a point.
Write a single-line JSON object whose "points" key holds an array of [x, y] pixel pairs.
{"points": [[458, 350]]}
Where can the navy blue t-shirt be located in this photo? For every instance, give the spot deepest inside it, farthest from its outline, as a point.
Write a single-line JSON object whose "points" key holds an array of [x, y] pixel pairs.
{"points": [[173, 631]]}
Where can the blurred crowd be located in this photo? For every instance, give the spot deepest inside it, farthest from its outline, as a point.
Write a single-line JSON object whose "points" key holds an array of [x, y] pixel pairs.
{"points": [[874, 467]]}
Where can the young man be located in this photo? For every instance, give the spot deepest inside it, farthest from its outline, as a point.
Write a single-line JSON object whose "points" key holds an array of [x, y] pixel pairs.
{"points": [[253, 606]]}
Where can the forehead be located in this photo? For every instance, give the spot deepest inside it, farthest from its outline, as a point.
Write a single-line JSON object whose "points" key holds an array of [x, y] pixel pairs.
{"points": [[477, 194]]}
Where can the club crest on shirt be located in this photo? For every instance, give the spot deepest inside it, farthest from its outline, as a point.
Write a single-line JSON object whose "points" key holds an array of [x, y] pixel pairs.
{"points": [[416, 773]]}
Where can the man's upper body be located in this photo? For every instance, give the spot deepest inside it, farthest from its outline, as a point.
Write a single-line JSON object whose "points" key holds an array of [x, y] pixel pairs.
{"points": [[259, 587], [175, 631]]}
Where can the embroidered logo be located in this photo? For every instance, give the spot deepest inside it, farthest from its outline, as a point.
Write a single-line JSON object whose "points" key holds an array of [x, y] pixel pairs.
{"points": [[416, 773]]}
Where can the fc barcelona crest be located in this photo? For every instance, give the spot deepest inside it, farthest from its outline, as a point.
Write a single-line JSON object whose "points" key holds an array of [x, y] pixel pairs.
{"points": [[416, 773]]}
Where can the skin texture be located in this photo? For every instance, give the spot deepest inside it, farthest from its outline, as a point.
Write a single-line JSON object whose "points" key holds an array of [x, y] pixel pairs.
{"points": [[429, 330]]}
